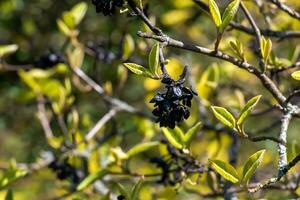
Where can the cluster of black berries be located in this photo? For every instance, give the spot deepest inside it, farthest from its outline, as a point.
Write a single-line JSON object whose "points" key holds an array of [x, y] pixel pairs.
{"points": [[107, 7], [101, 53], [49, 60], [64, 170], [171, 107]]}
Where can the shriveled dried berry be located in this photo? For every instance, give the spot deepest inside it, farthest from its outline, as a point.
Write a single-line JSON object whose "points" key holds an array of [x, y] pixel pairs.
{"points": [[171, 107], [107, 7]]}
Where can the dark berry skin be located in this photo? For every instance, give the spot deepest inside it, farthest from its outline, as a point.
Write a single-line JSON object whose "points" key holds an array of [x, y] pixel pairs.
{"points": [[171, 107], [107, 7], [49, 60]]}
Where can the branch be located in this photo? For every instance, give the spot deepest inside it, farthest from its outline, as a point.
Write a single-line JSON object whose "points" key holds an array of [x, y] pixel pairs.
{"points": [[286, 9], [100, 124]]}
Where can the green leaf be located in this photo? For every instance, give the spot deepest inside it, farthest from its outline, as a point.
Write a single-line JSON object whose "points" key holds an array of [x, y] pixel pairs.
{"points": [[90, 179], [189, 136], [29, 81], [8, 49], [226, 170], [78, 12], [138, 69], [123, 191], [128, 47], [252, 164], [172, 138], [266, 48], [215, 13], [10, 176], [237, 48], [9, 195], [296, 75], [141, 148], [68, 19], [154, 59], [247, 109], [224, 116], [63, 28], [229, 14], [136, 189]]}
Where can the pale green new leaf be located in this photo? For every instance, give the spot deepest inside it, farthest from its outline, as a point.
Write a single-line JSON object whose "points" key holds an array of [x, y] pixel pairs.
{"points": [[8, 49], [136, 189], [247, 109], [63, 28], [226, 170], [229, 14], [138, 69], [79, 11], [189, 136], [266, 48], [90, 179], [252, 164], [224, 116], [215, 13], [128, 47], [296, 75], [154, 59], [172, 138], [141, 148]]}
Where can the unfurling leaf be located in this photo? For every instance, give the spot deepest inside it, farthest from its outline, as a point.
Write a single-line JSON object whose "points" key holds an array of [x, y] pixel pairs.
{"points": [[252, 164], [215, 13], [90, 179], [173, 138], [154, 59], [296, 75], [266, 48], [224, 116], [226, 170], [138, 69], [141, 148], [229, 13], [189, 136], [237, 48], [247, 109]]}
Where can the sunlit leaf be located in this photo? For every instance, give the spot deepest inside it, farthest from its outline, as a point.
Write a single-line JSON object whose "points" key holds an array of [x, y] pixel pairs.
{"points": [[63, 28], [90, 179], [296, 75], [250, 105], [141, 148], [154, 59], [215, 13], [8, 49], [189, 136], [172, 138], [128, 47], [138, 69], [79, 11], [266, 48], [252, 164], [226, 170], [224, 116], [229, 13]]}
